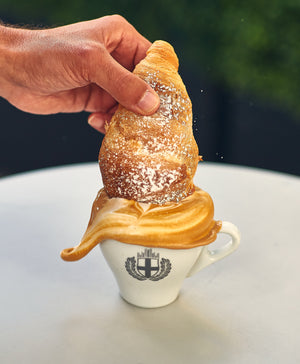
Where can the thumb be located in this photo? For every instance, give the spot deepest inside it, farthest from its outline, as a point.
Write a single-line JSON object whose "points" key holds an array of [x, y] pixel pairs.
{"points": [[128, 89]]}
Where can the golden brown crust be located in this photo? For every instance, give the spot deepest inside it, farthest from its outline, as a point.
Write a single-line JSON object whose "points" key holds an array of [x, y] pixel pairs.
{"points": [[152, 158]]}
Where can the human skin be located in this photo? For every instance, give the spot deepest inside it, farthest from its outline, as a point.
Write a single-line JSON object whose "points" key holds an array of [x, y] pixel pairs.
{"points": [[84, 66]]}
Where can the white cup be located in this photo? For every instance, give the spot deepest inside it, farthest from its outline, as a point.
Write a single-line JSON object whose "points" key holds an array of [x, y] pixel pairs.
{"points": [[152, 277]]}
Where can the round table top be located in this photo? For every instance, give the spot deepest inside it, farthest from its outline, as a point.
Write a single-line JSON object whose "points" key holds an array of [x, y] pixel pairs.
{"points": [[243, 309]]}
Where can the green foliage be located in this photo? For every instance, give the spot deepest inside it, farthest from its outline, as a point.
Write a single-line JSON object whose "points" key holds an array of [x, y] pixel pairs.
{"points": [[251, 46]]}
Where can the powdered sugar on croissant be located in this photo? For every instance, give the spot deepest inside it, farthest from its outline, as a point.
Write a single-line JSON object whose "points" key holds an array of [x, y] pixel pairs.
{"points": [[152, 158]]}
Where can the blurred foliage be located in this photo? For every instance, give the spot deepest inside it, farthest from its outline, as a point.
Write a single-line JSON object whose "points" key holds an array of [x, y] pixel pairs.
{"points": [[250, 46]]}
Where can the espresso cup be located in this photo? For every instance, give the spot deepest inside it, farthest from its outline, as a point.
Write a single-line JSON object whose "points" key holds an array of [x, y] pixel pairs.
{"points": [[151, 277]]}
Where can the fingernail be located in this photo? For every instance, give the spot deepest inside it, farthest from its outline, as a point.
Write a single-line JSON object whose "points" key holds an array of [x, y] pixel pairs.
{"points": [[90, 119], [148, 103], [97, 121]]}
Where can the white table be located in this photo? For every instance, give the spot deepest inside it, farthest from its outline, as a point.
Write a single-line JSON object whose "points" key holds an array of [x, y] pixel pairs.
{"points": [[243, 309]]}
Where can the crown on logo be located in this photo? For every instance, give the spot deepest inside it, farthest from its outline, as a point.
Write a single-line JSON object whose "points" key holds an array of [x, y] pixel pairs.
{"points": [[147, 253]]}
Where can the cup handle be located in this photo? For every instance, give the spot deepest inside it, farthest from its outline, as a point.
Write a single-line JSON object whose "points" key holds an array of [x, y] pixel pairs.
{"points": [[207, 257]]}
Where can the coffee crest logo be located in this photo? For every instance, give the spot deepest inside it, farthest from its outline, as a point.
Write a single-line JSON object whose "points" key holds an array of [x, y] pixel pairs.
{"points": [[148, 266]]}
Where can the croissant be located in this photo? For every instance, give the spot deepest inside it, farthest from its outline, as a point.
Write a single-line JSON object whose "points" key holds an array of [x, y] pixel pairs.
{"points": [[152, 159]]}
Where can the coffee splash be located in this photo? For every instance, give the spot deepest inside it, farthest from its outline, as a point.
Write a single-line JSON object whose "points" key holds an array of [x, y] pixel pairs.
{"points": [[174, 225]]}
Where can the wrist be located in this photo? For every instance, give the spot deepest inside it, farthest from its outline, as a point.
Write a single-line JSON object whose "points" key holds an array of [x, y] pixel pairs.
{"points": [[7, 40], [11, 40]]}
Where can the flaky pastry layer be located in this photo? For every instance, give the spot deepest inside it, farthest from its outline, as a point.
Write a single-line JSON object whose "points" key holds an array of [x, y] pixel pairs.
{"points": [[183, 225]]}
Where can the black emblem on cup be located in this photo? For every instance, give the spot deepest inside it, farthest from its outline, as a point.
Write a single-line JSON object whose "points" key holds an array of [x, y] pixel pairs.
{"points": [[148, 266]]}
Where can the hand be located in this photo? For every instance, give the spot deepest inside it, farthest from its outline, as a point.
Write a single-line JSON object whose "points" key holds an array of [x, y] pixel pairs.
{"points": [[79, 67]]}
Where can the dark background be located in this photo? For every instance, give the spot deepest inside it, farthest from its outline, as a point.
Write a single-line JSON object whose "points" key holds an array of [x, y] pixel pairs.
{"points": [[239, 61]]}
